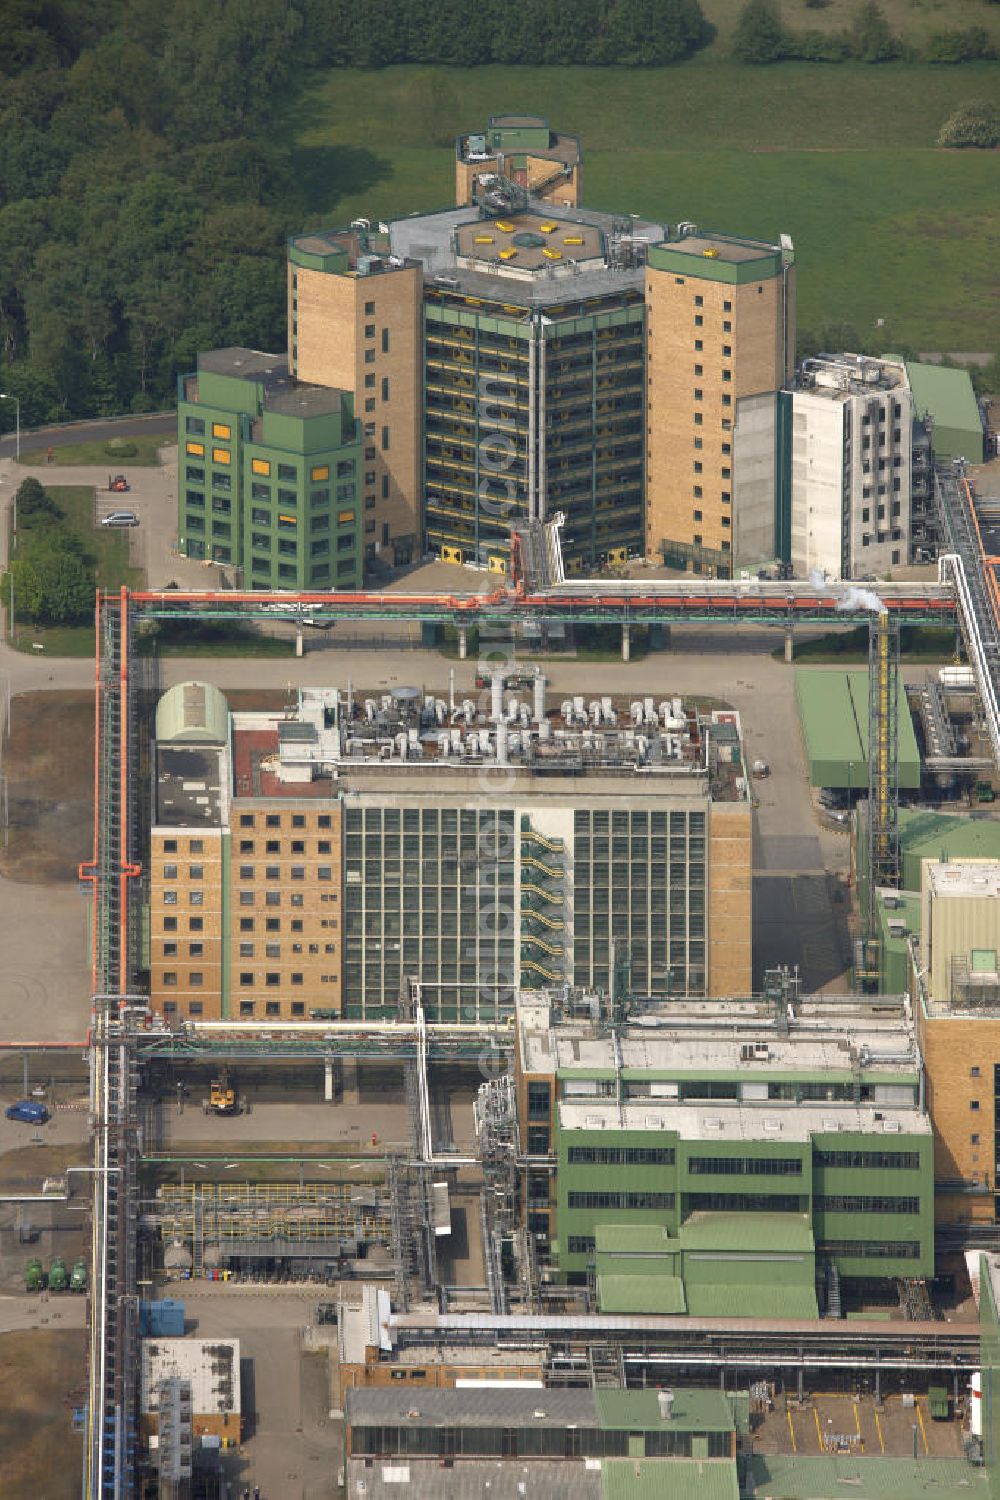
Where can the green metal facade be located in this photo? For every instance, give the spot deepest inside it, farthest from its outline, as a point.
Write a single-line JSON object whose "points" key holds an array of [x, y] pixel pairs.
{"points": [[947, 398], [870, 1199], [267, 492], [507, 388], [833, 713]]}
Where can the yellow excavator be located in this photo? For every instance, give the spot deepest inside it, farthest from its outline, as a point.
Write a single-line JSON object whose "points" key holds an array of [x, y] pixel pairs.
{"points": [[222, 1097]]}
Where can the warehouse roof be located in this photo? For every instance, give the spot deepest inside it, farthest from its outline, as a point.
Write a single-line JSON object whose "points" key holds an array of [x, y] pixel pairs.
{"points": [[947, 396], [634, 1239], [794, 1477], [472, 1406], [673, 1479], [833, 712]]}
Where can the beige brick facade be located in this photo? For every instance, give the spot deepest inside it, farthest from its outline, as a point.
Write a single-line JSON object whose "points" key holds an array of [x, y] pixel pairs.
{"points": [[730, 900], [709, 344], [363, 334], [186, 922], [285, 918], [960, 1054]]}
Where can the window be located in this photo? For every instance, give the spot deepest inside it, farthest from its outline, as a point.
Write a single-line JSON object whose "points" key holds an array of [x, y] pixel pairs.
{"points": [[319, 473], [287, 471], [622, 1200], [170, 977], [195, 425], [272, 872], [221, 456], [697, 515], [197, 450], [246, 820], [260, 492], [170, 951], [385, 439], [170, 872], [727, 307], [618, 1156], [369, 309], [196, 846], [170, 924], [260, 466], [974, 1073], [296, 978], [272, 979], [246, 898], [699, 369], [272, 898], [369, 330], [974, 1104], [246, 1006], [196, 950], [196, 872], [880, 1161], [385, 341], [221, 430], [170, 898], [195, 978], [385, 388], [196, 924], [699, 302]]}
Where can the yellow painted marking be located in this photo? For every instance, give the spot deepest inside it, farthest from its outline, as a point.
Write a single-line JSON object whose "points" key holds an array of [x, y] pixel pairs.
{"points": [[923, 1432], [791, 1429], [857, 1419], [878, 1429], [819, 1430]]}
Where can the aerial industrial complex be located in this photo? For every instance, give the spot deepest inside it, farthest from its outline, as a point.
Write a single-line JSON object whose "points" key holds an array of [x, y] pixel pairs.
{"points": [[464, 1077]]}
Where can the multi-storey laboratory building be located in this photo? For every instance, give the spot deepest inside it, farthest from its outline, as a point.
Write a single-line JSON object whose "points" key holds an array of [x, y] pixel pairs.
{"points": [[739, 1144], [314, 859], [518, 357]]}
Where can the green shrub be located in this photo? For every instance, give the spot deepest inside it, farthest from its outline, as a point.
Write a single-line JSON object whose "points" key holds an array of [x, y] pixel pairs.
{"points": [[760, 36], [975, 123], [970, 45]]}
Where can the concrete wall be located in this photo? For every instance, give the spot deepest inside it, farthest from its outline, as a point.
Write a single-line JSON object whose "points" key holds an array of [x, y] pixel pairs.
{"points": [[755, 480]]}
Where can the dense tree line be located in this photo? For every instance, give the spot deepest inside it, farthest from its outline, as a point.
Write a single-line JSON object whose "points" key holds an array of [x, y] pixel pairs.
{"points": [[143, 204], [635, 33]]}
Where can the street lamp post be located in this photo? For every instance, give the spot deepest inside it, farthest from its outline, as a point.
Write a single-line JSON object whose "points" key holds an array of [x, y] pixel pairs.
{"points": [[17, 422]]}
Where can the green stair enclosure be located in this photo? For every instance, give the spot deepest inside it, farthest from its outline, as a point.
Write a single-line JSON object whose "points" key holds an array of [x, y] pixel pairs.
{"points": [[543, 895]]}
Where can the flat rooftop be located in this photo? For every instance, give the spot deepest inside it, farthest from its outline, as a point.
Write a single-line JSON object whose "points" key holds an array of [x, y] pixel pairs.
{"points": [[189, 785], [244, 364], [433, 239], [962, 879], [718, 247], [474, 1405], [720, 1121], [731, 1036], [529, 242], [211, 1365]]}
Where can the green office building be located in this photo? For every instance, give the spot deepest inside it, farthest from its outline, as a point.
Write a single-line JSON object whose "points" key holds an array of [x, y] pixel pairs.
{"points": [[715, 1150], [268, 474]]}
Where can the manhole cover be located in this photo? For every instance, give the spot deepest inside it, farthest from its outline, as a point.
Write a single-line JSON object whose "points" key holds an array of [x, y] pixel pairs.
{"points": [[528, 240]]}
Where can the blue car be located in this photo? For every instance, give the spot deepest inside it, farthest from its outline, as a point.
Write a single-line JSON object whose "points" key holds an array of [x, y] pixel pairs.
{"points": [[28, 1112]]}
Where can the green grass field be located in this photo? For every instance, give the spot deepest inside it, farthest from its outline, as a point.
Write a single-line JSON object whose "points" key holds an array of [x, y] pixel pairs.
{"points": [[886, 226], [147, 454]]}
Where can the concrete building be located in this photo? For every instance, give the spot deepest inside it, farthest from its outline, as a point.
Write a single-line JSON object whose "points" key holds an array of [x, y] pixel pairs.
{"points": [[746, 1135], [522, 148], [269, 474], [511, 1444], [209, 1369], [720, 347], [357, 841], [851, 467]]}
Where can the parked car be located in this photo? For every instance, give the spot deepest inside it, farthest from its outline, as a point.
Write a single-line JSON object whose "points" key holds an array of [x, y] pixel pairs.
{"points": [[28, 1111], [120, 518]]}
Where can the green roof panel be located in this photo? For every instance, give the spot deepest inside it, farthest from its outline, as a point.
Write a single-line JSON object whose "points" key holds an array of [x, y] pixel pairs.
{"points": [[669, 1479], [798, 1477], [693, 1411], [947, 397], [636, 1293], [752, 1232], [737, 1300]]}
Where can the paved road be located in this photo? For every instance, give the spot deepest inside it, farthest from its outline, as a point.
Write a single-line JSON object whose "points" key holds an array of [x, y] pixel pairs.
{"points": [[98, 431]]}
